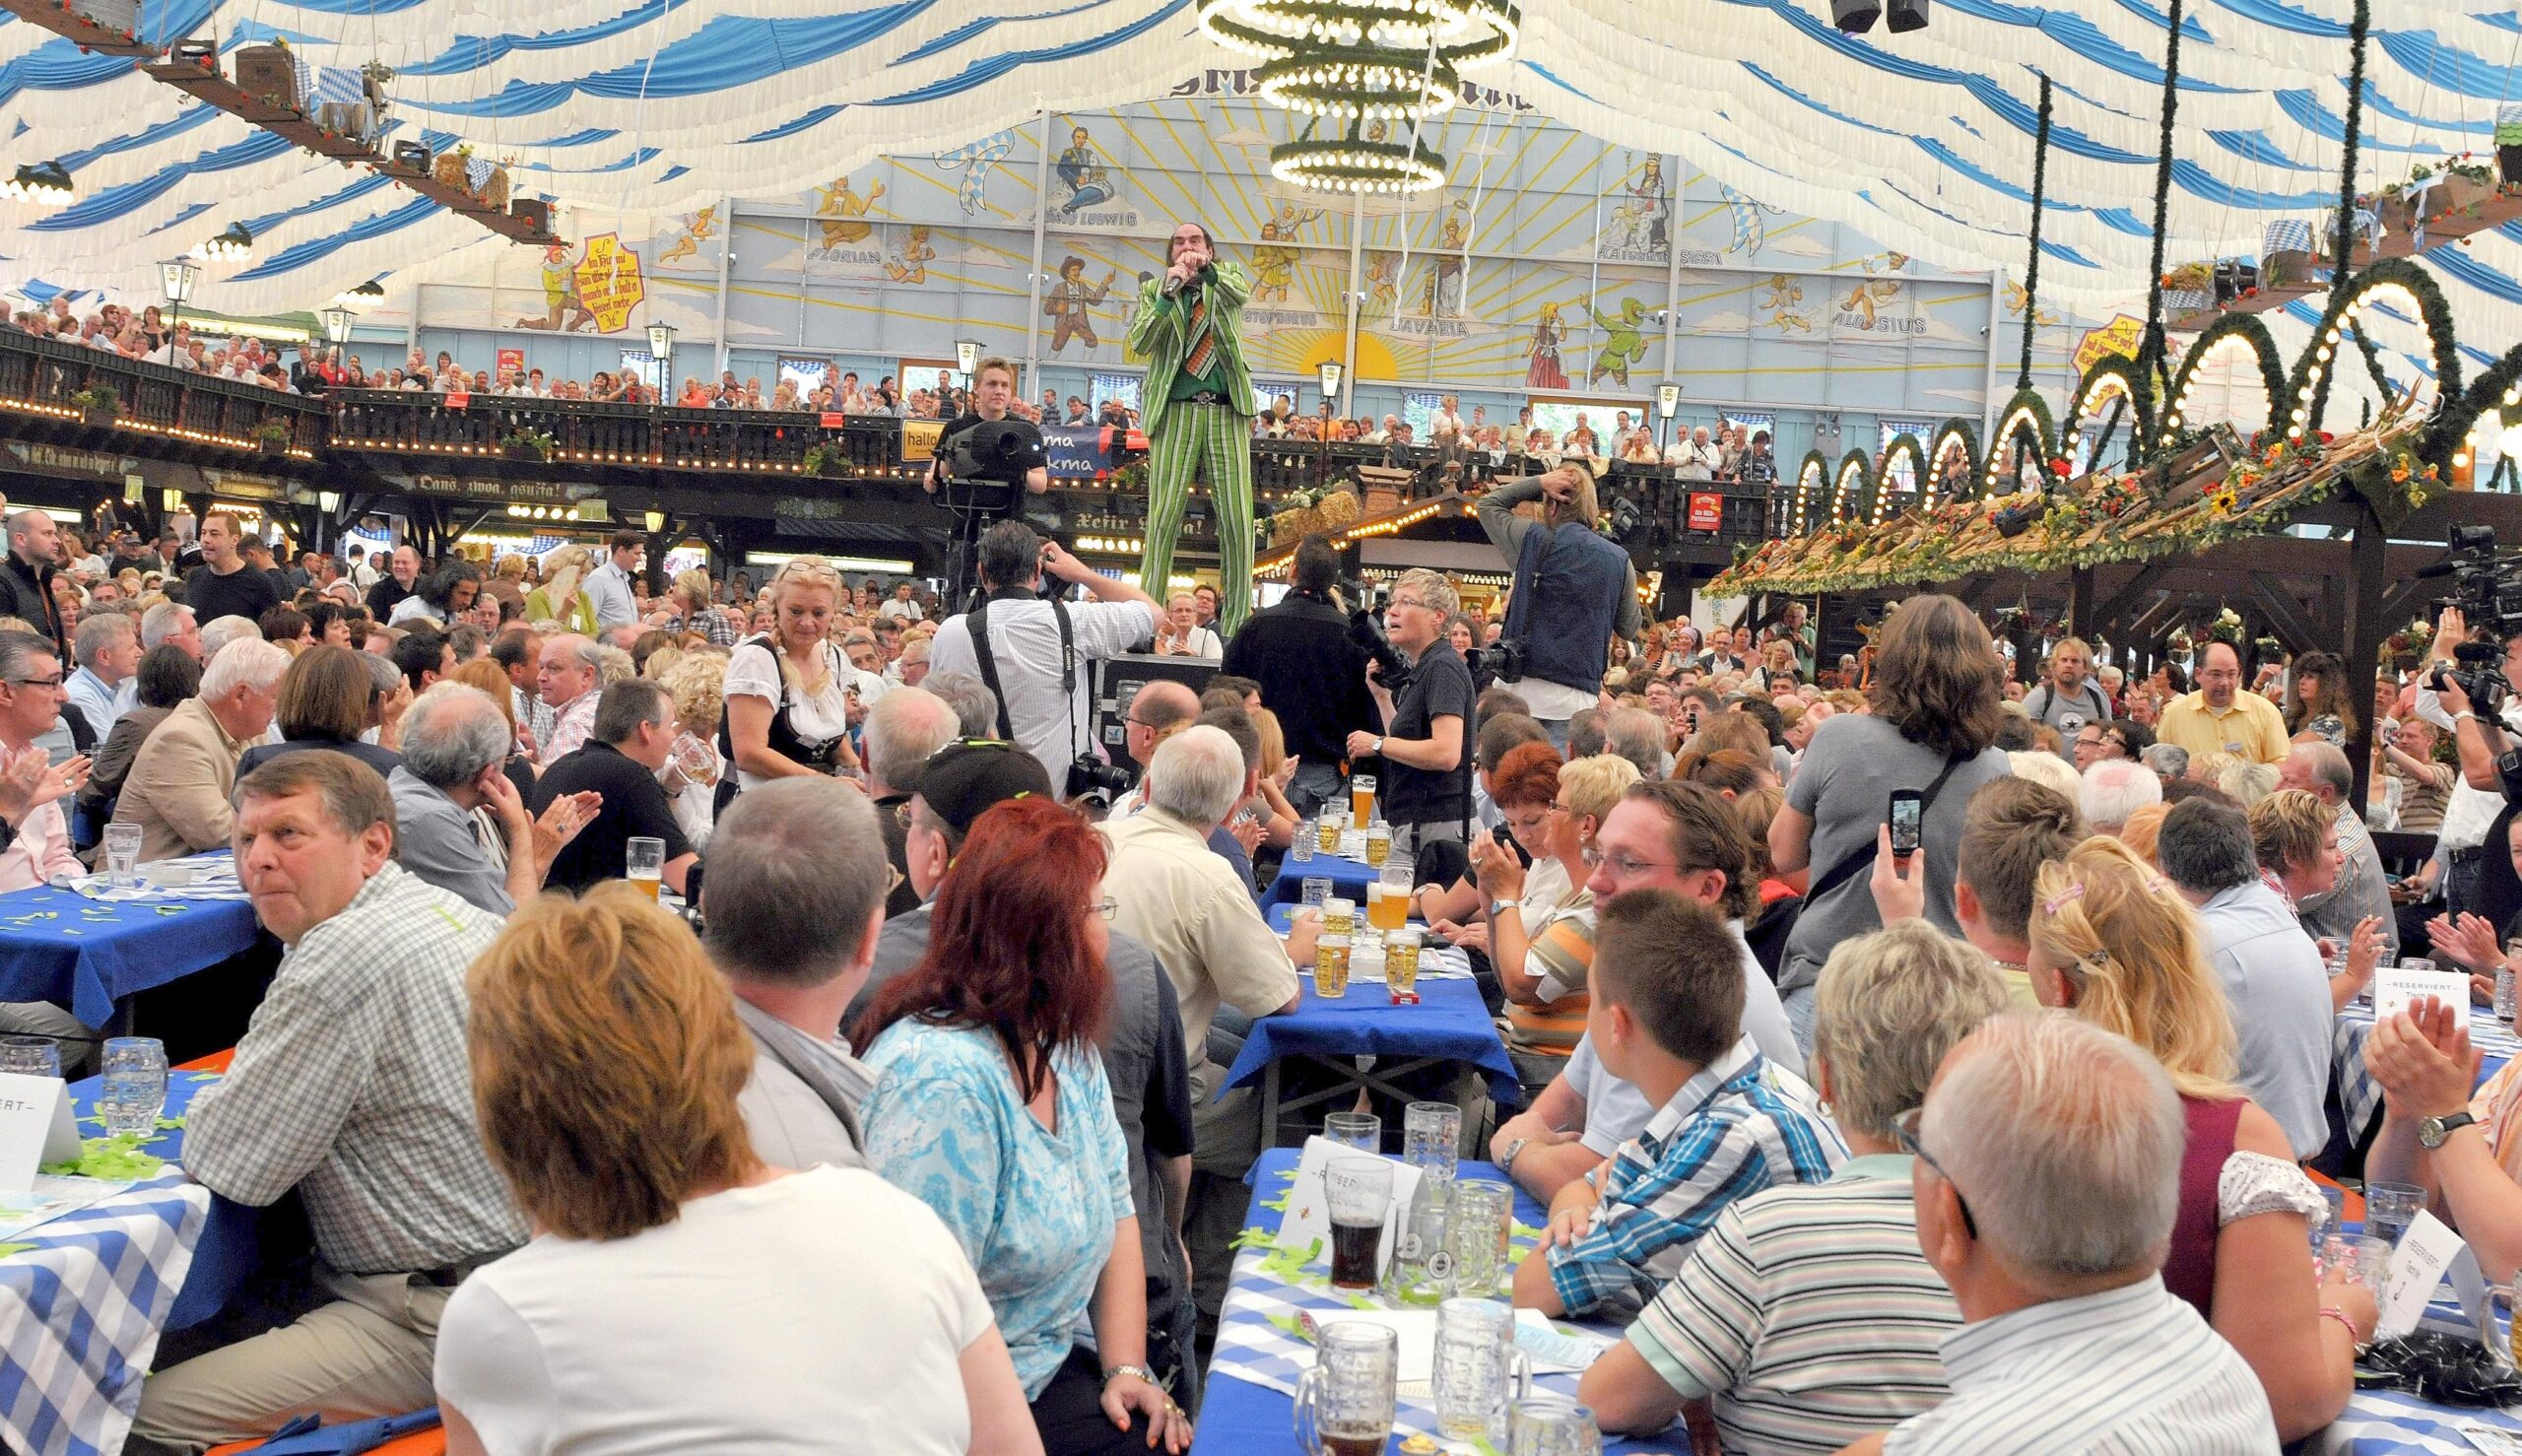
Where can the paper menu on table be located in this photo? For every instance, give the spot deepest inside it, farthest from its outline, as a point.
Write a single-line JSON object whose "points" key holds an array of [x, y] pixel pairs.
{"points": [[2394, 987], [1556, 1350], [1307, 1220], [35, 1128], [2424, 1252], [51, 1197]]}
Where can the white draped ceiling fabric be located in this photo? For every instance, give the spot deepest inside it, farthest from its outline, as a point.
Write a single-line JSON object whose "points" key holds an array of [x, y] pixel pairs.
{"points": [[1922, 141]]}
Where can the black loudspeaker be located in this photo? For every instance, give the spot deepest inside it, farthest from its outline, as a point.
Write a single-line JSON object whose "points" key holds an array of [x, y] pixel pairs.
{"points": [[412, 154], [1908, 15], [267, 72], [533, 209], [1856, 16]]}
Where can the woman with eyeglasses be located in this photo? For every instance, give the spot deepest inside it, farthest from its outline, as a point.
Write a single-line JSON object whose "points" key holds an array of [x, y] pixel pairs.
{"points": [[1541, 923], [2116, 944], [992, 1107], [787, 689], [1807, 1317]]}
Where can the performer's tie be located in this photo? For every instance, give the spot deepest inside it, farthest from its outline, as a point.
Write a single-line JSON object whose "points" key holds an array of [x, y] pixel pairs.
{"points": [[1203, 344]]}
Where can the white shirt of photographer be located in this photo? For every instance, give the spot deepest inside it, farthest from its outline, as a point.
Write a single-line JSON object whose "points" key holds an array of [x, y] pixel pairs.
{"points": [[1025, 639], [2469, 812]]}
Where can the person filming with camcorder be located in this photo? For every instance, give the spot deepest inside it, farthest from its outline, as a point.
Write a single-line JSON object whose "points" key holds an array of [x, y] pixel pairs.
{"points": [[1573, 589], [988, 461]]}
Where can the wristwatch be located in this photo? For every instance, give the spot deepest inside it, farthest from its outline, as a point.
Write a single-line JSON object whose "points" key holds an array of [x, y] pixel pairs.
{"points": [[1115, 1373], [1509, 903], [1378, 746], [2431, 1132], [1506, 1158]]}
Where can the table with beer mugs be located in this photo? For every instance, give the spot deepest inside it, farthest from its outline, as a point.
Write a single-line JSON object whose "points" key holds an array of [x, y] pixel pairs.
{"points": [[1382, 1002], [1290, 1375]]}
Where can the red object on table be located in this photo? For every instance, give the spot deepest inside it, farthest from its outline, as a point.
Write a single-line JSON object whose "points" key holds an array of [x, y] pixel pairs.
{"points": [[216, 1062]]}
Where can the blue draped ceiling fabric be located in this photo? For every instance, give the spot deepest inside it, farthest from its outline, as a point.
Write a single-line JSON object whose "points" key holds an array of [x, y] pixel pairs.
{"points": [[1923, 140]]}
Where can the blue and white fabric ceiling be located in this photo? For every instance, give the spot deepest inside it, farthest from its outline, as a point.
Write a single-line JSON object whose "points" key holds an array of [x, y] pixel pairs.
{"points": [[1923, 140]]}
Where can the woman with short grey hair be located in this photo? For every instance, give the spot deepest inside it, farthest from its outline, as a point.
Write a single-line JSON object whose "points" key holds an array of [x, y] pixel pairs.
{"points": [[1807, 1317]]}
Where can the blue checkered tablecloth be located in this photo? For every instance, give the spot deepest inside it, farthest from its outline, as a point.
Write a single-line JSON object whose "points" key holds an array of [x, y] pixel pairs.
{"points": [[2387, 1422], [1249, 1399], [2360, 1098], [82, 1301]]}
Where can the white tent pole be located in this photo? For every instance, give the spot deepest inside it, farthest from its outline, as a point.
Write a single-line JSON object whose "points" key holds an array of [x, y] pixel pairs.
{"points": [[1996, 342], [1041, 218], [1356, 298], [726, 251]]}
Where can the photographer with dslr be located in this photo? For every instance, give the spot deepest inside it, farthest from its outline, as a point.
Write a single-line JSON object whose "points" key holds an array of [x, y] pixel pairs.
{"points": [[1032, 652], [1426, 747], [2470, 872], [1573, 589]]}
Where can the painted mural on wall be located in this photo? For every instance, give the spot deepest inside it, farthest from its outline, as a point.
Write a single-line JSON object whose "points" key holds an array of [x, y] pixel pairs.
{"points": [[1550, 262]]}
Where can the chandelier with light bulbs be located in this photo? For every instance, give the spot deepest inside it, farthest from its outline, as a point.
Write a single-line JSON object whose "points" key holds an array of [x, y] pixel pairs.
{"points": [[1374, 64]]}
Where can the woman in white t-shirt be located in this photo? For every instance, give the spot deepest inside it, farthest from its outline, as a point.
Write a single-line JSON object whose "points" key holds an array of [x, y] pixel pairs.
{"points": [[681, 1295], [787, 690]]}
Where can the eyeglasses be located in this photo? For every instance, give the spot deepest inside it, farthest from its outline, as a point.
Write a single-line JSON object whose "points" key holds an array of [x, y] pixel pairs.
{"points": [[1905, 1128], [1410, 602], [1625, 868], [53, 682], [1104, 909]]}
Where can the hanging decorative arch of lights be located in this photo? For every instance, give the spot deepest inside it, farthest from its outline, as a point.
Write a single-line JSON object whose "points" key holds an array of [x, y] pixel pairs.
{"points": [[1373, 64]]}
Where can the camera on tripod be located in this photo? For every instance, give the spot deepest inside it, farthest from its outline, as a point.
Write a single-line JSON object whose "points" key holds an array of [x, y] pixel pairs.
{"points": [[1003, 450]]}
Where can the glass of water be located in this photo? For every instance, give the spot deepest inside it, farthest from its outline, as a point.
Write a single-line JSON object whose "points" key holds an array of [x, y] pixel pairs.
{"points": [[1317, 890], [1478, 1369], [133, 1090], [1478, 1216], [1363, 1131], [30, 1056], [2390, 1207], [1432, 1137], [122, 856], [1546, 1425]]}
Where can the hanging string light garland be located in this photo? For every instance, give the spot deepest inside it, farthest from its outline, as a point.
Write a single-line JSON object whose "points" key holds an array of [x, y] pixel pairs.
{"points": [[1373, 64]]}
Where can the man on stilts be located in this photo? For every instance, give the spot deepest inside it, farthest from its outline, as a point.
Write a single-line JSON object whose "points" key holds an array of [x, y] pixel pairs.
{"points": [[1196, 406]]}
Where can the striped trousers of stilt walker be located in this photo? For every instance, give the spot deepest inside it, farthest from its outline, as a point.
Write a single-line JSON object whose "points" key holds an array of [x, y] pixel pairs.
{"points": [[1215, 443]]}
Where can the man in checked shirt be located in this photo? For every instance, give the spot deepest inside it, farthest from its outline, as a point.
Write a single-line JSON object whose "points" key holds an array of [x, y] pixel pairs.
{"points": [[351, 1086], [1667, 1019]]}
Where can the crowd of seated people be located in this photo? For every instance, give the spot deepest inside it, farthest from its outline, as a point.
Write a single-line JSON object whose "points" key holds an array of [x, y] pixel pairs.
{"points": [[1786, 1088]]}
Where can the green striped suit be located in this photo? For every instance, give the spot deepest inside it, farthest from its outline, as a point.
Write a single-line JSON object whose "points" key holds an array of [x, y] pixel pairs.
{"points": [[1214, 442]]}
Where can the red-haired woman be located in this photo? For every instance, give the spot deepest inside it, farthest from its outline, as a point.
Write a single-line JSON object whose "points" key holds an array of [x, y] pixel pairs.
{"points": [[991, 1107]]}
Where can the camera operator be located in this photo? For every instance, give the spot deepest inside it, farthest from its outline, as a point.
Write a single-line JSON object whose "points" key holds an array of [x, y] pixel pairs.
{"points": [[2470, 872], [993, 392], [1032, 652], [1572, 589], [1426, 742]]}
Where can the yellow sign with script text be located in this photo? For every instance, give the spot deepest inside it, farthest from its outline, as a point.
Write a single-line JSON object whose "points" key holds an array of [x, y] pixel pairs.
{"points": [[2123, 335], [609, 281]]}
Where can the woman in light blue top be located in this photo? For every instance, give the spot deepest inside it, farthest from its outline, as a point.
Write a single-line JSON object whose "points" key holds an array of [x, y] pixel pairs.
{"points": [[992, 1108]]}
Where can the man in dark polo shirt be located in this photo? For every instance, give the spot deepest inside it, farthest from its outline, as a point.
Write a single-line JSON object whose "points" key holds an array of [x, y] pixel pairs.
{"points": [[633, 737], [224, 586]]}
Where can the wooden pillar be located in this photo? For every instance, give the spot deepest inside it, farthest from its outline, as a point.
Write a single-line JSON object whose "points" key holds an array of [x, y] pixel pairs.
{"points": [[2079, 602], [2366, 625]]}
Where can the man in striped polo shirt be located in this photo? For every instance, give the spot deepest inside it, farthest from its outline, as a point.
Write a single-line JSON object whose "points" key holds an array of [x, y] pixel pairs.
{"points": [[1667, 1017], [2047, 1174], [1808, 1318]]}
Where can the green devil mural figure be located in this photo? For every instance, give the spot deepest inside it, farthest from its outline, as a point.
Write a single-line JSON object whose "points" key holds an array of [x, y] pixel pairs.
{"points": [[1623, 342]]}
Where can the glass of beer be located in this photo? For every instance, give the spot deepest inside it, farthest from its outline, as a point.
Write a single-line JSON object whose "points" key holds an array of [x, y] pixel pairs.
{"points": [[1360, 1193], [1327, 832], [1361, 800], [1339, 916], [1345, 1403], [1387, 909], [1331, 966], [1378, 844], [1401, 961], [646, 864]]}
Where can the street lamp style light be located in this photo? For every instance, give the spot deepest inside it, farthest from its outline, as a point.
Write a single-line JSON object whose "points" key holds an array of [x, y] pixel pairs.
{"points": [[176, 278], [337, 323], [967, 356], [661, 349], [1668, 399], [655, 521], [1328, 376]]}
